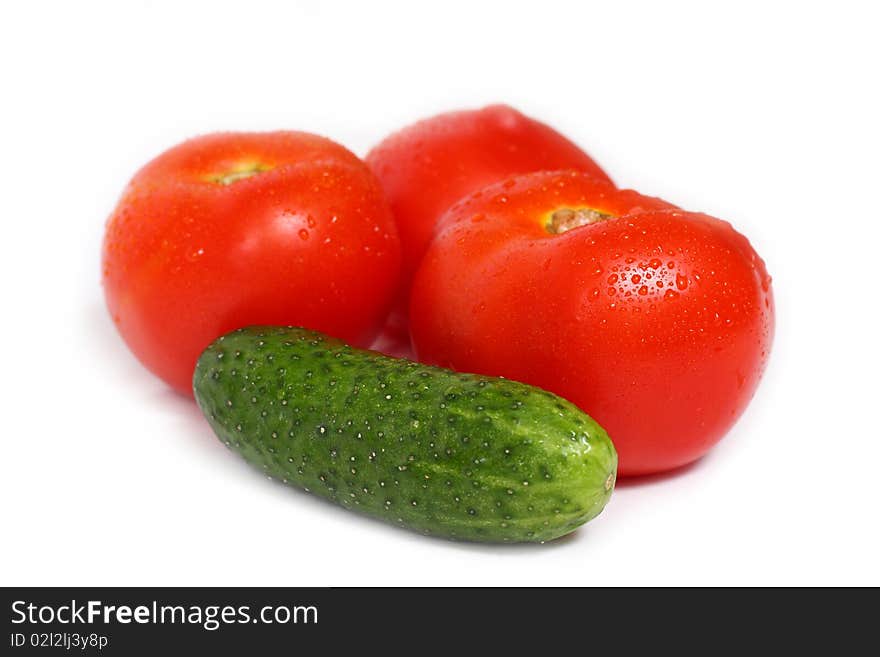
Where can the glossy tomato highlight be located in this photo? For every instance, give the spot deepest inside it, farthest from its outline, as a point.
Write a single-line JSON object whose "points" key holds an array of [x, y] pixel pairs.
{"points": [[655, 321], [233, 229]]}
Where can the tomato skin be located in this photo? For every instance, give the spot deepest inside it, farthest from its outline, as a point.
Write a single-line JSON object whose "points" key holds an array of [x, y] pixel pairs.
{"points": [[657, 322], [428, 166], [309, 240]]}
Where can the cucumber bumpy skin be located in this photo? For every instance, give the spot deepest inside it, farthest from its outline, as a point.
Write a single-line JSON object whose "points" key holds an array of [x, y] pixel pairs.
{"points": [[457, 455]]}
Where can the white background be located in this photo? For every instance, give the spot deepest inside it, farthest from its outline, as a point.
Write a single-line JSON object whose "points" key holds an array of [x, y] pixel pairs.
{"points": [[765, 114]]}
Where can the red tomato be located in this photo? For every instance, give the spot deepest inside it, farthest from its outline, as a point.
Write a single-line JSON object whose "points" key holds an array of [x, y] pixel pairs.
{"points": [[430, 165], [230, 229], [655, 321]]}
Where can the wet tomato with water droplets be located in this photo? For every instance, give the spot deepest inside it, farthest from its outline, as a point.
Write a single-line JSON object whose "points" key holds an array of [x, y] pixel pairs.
{"points": [[655, 321], [428, 166], [233, 229]]}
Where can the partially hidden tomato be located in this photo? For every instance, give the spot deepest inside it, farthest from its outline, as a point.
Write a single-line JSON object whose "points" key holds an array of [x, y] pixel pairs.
{"points": [[233, 229], [426, 167], [655, 321]]}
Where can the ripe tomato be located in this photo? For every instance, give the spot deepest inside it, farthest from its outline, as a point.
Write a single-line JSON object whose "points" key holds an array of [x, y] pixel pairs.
{"points": [[655, 321], [228, 230], [430, 165]]}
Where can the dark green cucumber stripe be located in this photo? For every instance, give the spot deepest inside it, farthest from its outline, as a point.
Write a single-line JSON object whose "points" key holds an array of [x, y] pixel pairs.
{"points": [[445, 453]]}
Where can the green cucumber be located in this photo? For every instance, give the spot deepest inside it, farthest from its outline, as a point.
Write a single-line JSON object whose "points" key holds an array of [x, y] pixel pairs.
{"points": [[456, 455]]}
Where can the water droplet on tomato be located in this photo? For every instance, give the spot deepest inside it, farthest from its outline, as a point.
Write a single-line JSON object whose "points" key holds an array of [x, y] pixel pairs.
{"points": [[681, 281], [310, 220], [670, 294], [303, 234]]}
